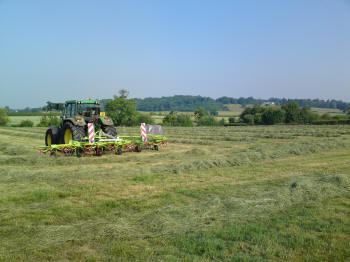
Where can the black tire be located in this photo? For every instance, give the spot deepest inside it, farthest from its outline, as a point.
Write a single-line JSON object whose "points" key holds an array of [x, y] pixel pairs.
{"points": [[110, 130], [53, 134], [77, 132]]}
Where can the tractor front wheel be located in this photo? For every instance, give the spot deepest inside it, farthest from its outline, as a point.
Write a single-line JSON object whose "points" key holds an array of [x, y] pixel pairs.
{"points": [[72, 132]]}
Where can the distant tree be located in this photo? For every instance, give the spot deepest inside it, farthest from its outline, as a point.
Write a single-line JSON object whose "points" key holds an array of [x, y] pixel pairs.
{"points": [[273, 115], [44, 121], [209, 121], [123, 93], [258, 119], [144, 118], [232, 120], [246, 111], [26, 123], [122, 110], [199, 113], [4, 119], [49, 119], [175, 119], [257, 109], [249, 119], [348, 113], [326, 116], [53, 120], [292, 112], [252, 115], [307, 116]]}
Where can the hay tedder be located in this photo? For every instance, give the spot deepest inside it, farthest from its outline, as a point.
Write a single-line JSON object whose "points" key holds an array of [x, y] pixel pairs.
{"points": [[84, 130]]}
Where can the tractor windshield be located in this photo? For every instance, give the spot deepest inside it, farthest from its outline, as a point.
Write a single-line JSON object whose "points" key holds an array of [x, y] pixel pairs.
{"points": [[88, 109]]}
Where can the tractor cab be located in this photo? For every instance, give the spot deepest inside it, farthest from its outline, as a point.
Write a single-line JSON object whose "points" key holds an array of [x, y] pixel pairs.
{"points": [[89, 110]]}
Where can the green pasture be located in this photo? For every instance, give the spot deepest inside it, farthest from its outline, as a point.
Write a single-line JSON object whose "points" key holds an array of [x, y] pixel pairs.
{"points": [[15, 120], [253, 193], [331, 111]]}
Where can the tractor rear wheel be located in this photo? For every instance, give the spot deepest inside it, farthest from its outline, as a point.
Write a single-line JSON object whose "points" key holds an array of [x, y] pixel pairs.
{"points": [[52, 136], [110, 130], [72, 132]]}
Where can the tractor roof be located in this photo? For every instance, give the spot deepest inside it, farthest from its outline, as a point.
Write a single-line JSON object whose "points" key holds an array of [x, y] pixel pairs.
{"points": [[86, 101]]}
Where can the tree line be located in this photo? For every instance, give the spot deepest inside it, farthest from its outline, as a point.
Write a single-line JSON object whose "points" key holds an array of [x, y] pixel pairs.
{"points": [[191, 103], [182, 103], [289, 113], [334, 104], [124, 112]]}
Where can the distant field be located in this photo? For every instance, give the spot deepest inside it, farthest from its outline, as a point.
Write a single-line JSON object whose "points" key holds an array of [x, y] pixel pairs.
{"points": [[330, 111], [234, 110], [255, 193], [18, 119]]}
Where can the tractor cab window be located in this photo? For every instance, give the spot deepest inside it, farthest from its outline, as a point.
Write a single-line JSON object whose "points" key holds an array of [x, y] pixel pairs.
{"points": [[88, 110], [70, 110]]}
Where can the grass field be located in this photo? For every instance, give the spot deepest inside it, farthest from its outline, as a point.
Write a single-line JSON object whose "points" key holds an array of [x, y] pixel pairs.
{"points": [[15, 120], [234, 110], [257, 193], [331, 111]]}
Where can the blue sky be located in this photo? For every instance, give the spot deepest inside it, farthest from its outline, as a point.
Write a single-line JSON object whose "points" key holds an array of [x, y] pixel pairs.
{"points": [[58, 50]]}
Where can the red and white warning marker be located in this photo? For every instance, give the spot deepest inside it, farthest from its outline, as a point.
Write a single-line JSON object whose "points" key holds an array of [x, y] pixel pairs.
{"points": [[91, 131], [143, 132]]}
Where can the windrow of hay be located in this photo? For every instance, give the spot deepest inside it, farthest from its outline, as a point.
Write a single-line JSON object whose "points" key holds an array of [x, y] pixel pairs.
{"points": [[254, 154]]}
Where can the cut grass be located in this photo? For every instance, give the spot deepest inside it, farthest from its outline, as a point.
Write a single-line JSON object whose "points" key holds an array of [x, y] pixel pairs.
{"points": [[15, 120], [277, 193]]}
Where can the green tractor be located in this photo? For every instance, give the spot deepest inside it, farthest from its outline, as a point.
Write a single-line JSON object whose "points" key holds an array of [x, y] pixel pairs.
{"points": [[76, 114]]}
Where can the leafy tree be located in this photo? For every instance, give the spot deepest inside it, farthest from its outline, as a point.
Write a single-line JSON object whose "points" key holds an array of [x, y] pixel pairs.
{"points": [[348, 113], [246, 111], [307, 116], [292, 111], [4, 119], [199, 113], [326, 116], [249, 119], [209, 121], [44, 121], [257, 110], [26, 123], [122, 110], [273, 115], [252, 115], [232, 120], [50, 119], [258, 119], [54, 120], [144, 118], [175, 119]]}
